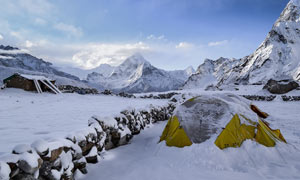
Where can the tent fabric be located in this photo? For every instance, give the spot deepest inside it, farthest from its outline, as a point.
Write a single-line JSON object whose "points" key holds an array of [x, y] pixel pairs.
{"points": [[235, 134], [201, 117], [267, 136], [174, 134]]}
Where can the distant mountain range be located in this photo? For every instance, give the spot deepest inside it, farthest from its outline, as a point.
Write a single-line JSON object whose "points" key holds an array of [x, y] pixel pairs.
{"points": [[278, 57], [136, 74]]}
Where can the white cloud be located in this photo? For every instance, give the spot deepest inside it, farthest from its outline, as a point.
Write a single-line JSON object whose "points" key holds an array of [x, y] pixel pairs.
{"points": [[218, 43], [28, 44], [37, 7], [1, 37], [184, 45], [69, 29], [153, 37], [114, 54], [16, 34], [40, 21]]}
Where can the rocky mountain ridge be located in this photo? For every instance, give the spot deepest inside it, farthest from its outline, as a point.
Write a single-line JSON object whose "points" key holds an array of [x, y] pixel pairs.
{"points": [[278, 57], [136, 75]]}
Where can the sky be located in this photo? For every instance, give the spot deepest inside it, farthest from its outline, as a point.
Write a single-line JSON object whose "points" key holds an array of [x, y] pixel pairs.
{"points": [[171, 34]]}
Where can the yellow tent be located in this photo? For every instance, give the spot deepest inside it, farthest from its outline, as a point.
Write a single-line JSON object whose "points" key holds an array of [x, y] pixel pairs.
{"points": [[193, 123], [174, 134], [235, 133]]}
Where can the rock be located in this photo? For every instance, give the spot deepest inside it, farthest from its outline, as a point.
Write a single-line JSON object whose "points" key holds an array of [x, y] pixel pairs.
{"points": [[92, 157], [85, 147], [29, 163], [24, 176], [45, 171], [41, 147], [14, 169], [79, 90], [22, 148], [81, 165], [280, 87], [107, 92], [55, 154]]}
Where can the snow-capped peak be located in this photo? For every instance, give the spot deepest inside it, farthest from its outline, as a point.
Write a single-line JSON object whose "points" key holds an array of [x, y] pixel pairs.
{"points": [[136, 74], [277, 57], [135, 60], [295, 2]]}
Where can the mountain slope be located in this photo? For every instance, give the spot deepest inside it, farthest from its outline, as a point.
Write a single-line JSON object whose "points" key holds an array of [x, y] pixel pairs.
{"points": [[136, 74], [277, 57], [15, 58]]}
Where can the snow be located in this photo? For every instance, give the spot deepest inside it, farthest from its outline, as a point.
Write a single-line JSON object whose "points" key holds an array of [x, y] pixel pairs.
{"points": [[93, 152], [145, 159], [4, 171], [30, 158], [34, 77], [26, 117], [136, 74], [21, 148], [40, 145]]}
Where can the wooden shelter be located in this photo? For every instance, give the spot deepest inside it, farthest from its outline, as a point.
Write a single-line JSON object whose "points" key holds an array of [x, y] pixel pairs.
{"points": [[31, 83]]}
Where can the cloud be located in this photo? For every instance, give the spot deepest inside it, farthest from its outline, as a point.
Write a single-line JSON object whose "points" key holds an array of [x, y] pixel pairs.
{"points": [[1, 37], [153, 37], [218, 43], [40, 21], [114, 54], [184, 45], [29, 44], [69, 29], [37, 7], [16, 34]]}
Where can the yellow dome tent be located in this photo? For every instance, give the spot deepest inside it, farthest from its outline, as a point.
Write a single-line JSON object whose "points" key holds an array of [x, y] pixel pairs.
{"points": [[199, 118]]}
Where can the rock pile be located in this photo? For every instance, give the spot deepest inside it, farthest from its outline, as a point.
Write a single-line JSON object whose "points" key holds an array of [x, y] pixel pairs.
{"points": [[159, 96], [79, 90], [259, 98], [67, 158]]}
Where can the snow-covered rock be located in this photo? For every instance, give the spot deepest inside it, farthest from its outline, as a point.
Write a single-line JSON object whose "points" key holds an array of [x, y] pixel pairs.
{"points": [[136, 74], [4, 171], [278, 57], [41, 147], [22, 148]]}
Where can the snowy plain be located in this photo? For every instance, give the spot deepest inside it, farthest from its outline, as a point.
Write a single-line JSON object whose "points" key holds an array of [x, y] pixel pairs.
{"points": [[26, 116], [145, 159]]}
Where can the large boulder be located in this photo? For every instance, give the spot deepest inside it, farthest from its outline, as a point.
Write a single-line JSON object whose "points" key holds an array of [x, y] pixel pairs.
{"points": [[281, 86]]}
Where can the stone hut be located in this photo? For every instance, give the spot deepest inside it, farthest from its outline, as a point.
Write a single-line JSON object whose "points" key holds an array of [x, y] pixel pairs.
{"points": [[31, 83]]}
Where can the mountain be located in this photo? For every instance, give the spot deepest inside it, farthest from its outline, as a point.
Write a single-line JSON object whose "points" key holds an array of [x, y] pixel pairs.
{"points": [[104, 69], [136, 75], [278, 57], [14, 60]]}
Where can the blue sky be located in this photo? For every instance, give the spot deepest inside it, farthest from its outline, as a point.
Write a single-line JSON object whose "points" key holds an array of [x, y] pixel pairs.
{"points": [[171, 34]]}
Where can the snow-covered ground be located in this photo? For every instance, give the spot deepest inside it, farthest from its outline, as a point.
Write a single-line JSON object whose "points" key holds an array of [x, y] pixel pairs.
{"points": [[26, 117], [145, 159]]}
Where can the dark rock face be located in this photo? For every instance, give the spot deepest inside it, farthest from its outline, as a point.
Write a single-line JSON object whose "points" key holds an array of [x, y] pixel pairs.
{"points": [[280, 87]]}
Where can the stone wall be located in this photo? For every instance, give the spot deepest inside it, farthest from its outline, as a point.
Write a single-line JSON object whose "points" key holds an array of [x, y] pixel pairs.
{"points": [[67, 158], [271, 98]]}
